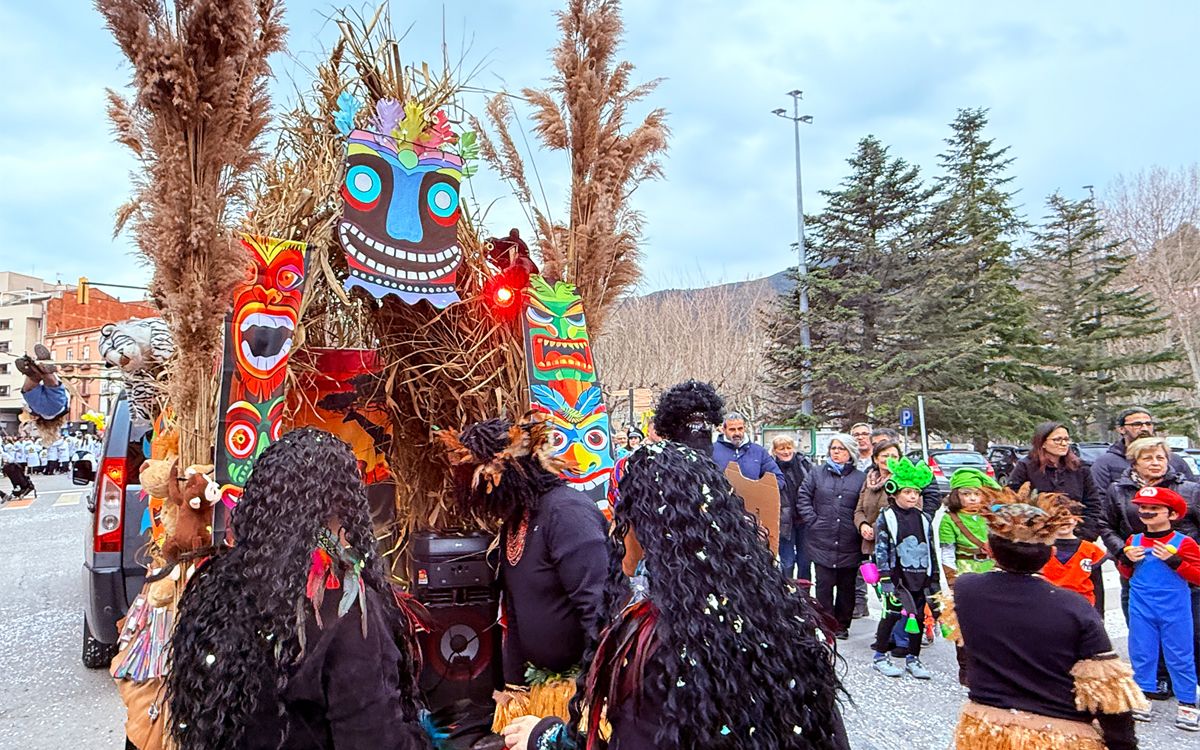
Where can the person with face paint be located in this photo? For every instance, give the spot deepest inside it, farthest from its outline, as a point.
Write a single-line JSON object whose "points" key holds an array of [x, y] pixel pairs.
{"points": [[687, 413], [1161, 563]]}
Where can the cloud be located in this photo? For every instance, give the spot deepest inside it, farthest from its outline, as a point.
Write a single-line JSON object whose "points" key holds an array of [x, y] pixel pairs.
{"points": [[1080, 91]]}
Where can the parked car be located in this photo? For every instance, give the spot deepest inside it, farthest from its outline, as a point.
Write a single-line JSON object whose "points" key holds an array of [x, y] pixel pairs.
{"points": [[1089, 452], [945, 461], [1190, 456], [1003, 458], [114, 568]]}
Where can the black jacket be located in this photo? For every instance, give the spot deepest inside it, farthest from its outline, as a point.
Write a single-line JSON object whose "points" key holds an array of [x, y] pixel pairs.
{"points": [[826, 507], [1075, 484], [1120, 520], [1111, 466], [794, 472], [554, 595], [345, 693]]}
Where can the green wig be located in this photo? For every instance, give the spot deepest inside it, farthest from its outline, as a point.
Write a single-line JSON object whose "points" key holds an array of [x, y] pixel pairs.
{"points": [[907, 475]]}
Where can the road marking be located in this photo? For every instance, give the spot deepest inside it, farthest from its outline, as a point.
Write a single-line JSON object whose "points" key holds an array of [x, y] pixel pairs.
{"points": [[68, 498], [21, 504]]}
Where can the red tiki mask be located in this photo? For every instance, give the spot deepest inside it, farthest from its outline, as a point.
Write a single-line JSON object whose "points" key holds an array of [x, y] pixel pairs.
{"points": [[265, 312]]}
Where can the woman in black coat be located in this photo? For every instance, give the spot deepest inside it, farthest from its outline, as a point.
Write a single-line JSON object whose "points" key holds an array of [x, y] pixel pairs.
{"points": [[826, 505], [1052, 467]]}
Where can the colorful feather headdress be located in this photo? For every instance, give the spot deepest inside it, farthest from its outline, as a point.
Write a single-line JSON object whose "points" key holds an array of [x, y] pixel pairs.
{"points": [[492, 446], [1027, 516]]}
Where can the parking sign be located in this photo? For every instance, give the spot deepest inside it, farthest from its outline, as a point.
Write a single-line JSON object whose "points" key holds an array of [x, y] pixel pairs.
{"points": [[906, 417]]}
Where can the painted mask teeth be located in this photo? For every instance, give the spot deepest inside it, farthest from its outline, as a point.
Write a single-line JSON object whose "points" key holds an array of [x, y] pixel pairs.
{"points": [[353, 239], [265, 363]]}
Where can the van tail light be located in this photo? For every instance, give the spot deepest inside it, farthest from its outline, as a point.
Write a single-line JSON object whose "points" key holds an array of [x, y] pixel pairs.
{"points": [[110, 505], [937, 470], [990, 471]]}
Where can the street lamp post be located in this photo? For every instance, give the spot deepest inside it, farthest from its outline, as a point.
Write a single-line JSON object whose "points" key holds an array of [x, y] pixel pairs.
{"points": [[802, 267]]}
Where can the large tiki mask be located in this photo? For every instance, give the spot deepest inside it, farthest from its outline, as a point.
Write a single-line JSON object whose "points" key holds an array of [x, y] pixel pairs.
{"points": [[259, 331], [399, 226]]}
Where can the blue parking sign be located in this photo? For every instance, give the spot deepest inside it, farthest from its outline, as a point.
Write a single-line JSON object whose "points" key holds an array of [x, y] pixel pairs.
{"points": [[906, 417]]}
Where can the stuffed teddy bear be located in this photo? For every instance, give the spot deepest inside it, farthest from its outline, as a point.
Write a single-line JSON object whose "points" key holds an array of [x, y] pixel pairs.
{"points": [[189, 504]]}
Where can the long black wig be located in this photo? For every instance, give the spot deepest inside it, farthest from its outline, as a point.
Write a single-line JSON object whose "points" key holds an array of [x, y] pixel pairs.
{"points": [[739, 658], [238, 632]]}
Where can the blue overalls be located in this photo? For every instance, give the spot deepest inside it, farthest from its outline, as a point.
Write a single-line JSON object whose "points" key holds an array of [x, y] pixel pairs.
{"points": [[1160, 612]]}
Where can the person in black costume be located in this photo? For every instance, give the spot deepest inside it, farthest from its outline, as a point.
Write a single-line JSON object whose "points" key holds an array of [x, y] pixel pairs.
{"points": [[293, 638], [1042, 669], [553, 555], [724, 652]]}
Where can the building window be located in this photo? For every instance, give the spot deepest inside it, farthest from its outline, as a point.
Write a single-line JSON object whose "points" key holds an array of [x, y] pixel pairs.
{"points": [[3, 346], [70, 354], [87, 352], [5, 324], [3, 390]]}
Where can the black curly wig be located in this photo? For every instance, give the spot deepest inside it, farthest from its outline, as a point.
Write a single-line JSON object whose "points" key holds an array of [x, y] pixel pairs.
{"points": [[687, 413], [237, 636], [740, 660]]}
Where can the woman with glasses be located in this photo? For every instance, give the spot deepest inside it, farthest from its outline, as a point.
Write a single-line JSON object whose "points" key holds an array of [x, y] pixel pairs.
{"points": [[1051, 466], [828, 497]]}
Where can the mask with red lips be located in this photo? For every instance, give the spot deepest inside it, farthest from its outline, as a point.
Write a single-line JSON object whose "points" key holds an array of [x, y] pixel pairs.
{"points": [[265, 312], [258, 340]]}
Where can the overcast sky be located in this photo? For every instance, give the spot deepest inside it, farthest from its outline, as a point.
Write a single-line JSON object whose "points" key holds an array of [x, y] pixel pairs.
{"points": [[1081, 91]]}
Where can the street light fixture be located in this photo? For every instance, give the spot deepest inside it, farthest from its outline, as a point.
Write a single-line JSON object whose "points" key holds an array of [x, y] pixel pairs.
{"points": [[802, 267]]}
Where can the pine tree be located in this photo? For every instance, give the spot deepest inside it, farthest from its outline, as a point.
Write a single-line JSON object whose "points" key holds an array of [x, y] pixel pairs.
{"points": [[1092, 324], [971, 351], [860, 253]]}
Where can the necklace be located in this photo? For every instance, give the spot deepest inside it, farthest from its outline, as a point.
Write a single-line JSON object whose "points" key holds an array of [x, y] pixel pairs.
{"points": [[515, 546]]}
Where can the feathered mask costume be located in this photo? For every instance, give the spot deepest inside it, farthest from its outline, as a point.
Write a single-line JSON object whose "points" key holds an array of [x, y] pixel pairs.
{"points": [[1029, 517], [511, 465]]}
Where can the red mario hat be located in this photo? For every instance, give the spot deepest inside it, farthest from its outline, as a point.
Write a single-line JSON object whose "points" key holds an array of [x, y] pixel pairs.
{"points": [[1161, 496]]}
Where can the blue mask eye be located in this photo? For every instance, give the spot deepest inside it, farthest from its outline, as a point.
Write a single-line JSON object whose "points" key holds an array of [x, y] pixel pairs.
{"points": [[363, 184], [443, 200]]}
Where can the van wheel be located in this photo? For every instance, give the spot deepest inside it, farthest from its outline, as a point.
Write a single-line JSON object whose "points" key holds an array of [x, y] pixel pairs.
{"points": [[96, 655]]}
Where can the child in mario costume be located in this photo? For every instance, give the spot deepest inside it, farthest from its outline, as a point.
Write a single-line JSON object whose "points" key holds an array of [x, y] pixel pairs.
{"points": [[1164, 562]]}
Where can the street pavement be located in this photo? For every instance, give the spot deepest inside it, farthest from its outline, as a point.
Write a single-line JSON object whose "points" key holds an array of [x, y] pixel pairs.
{"points": [[52, 701]]}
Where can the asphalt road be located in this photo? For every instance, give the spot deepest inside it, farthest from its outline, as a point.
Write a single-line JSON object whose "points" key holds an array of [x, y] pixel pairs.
{"points": [[52, 701]]}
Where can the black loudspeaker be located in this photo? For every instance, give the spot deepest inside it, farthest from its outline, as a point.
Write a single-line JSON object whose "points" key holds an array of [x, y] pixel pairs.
{"points": [[450, 575]]}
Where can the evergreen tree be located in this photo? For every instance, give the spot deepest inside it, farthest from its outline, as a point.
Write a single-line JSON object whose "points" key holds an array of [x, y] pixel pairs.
{"points": [[971, 351], [861, 250], [1092, 324]]}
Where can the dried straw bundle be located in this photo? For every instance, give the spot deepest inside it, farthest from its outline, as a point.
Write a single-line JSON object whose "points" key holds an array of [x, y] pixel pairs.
{"points": [[583, 113], [443, 368], [198, 108]]}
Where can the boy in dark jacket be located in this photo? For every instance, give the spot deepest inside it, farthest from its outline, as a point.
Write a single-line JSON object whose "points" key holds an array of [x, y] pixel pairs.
{"points": [[907, 569]]}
